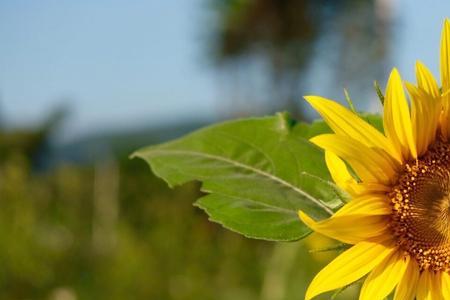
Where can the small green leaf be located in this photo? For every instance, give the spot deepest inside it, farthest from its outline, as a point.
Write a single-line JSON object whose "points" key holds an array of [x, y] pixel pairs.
{"points": [[349, 101], [379, 92]]}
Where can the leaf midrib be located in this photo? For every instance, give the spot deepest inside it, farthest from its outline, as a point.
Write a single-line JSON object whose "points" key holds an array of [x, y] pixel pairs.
{"points": [[247, 167]]}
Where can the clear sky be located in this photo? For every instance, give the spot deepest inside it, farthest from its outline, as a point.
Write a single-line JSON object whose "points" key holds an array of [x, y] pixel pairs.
{"points": [[417, 34], [116, 63], [122, 63]]}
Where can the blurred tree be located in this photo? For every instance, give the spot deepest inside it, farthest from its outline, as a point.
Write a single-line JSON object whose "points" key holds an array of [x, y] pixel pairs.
{"points": [[285, 36], [32, 143]]}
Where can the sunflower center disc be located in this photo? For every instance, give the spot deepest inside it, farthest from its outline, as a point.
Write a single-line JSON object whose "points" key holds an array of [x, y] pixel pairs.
{"points": [[421, 208]]}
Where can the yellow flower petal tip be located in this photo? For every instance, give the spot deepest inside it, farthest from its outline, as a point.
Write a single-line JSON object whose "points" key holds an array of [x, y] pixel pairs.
{"points": [[317, 102], [420, 65], [395, 74], [314, 140], [306, 219], [311, 98]]}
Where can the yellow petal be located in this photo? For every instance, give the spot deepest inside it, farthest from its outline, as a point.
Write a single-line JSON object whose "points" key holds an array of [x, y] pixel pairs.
{"points": [[382, 280], [375, 204], [445, 285], [436, 286], [339, 172], [344, 179], [406, 289], [370, 164], [425, 124], [362, 188], [445, 56], [426, 81], [445, 77], [423, 286], [429, 286], [397, 120], [425, 117], [342, 227], [344, 122], [349, 267], [419, 118]]}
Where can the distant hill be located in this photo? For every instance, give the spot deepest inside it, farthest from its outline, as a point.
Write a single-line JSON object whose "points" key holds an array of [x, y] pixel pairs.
{"points": [[119, 143]]}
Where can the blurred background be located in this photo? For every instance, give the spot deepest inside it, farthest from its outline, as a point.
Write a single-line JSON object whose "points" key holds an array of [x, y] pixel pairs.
{"points": [[84, 83]]}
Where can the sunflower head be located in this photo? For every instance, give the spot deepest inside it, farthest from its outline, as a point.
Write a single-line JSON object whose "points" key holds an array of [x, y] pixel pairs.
{"points": [[420, 201], [398, 220]]}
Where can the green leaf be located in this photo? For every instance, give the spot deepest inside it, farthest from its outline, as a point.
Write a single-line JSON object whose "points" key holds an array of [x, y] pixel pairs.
{"points": [[307, 131], [257, 173]]}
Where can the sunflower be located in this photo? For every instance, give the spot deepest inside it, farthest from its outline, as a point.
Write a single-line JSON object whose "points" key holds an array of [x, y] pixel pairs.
{"points": [[398, 219]]}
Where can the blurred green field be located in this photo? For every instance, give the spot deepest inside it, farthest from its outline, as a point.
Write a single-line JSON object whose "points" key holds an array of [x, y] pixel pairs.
{"points": [[112, 230]]}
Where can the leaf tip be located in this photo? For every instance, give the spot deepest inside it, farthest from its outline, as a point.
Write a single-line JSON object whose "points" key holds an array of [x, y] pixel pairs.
{"points": [[137, 154], [133, 155], [306, 219], [286, 123]]}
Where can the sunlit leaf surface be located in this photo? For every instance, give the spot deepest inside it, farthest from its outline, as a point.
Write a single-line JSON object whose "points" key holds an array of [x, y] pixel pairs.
{"points": [[257, 173]]}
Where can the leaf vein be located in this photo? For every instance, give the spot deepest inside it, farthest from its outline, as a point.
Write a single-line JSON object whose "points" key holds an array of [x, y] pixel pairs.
{"points": [[250, 168]]}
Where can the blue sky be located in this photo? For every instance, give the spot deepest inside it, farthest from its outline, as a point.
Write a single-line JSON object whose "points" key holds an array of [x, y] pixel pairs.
{"points": [[417, 34], [115, 63], [125, 63]]}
